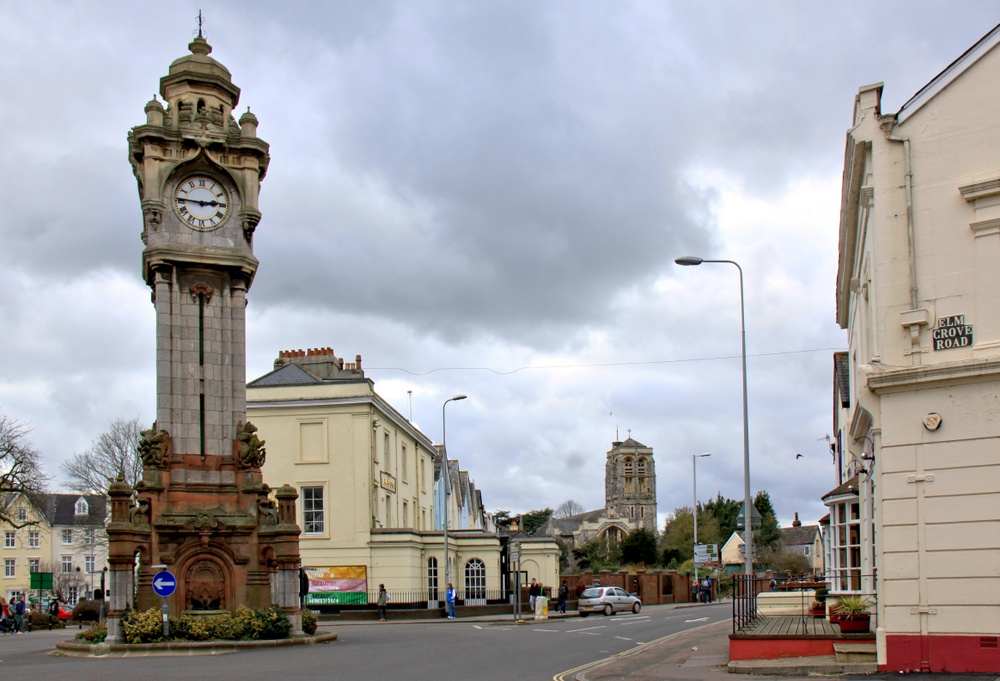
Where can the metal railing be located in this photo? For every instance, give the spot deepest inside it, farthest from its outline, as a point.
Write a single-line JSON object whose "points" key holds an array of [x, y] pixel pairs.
{"points": [[402, 598], [745, 588]]}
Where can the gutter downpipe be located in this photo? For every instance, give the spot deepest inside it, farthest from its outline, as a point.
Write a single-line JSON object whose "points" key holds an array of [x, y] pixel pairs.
{"points": [[908, 189]]}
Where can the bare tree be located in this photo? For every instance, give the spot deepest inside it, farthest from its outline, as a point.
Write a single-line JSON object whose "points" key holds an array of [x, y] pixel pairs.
{"points": [[114, 452], [20, 469], [567, 508]]}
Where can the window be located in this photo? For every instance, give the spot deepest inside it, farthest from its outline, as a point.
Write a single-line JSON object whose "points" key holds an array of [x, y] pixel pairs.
{"points": [[74, 594], [10, 539], [89, 536], [629, 466], [641, 467], [475, 582], [67, 564], [89, 564], [22, 514], [406, 514], [385, 449], [81, 507], [432, 579], [423, 476], [10, 567], [34, 539], [34, 564], [67, 536], [312, 510], [404, 464]]}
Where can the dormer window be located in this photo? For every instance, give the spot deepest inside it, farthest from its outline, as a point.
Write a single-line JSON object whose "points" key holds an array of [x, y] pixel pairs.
{"points": [[82, 508], [22, 515]]}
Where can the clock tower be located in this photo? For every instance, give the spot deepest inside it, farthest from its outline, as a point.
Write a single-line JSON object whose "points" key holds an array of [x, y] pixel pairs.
{"points": [[203, 510]]}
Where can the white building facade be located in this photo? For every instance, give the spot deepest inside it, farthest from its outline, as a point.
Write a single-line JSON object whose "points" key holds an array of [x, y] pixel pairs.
{"points": [[916, 513]]}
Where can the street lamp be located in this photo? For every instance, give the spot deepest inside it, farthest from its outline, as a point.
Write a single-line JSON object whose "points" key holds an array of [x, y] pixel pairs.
{"points": [[690, 260], [446, 476], [694, 485]]}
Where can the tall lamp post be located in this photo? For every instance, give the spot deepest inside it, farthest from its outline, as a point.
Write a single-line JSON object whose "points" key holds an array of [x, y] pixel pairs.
{"points": [[694, 486], [690, 260], [446, 476]]}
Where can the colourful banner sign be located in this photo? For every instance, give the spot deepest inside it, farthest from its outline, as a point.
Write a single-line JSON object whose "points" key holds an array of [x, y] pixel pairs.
{"points": [[338, 585]]}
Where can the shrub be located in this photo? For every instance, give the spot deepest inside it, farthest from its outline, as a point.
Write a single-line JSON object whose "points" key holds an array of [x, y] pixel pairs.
{"points": [[143, 627], [309, 622], [87, 611], [244, 624], [95, 634]]}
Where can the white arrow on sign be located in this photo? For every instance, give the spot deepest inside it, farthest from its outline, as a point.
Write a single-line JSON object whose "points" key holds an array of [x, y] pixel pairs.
{"points": [[164, 584]]}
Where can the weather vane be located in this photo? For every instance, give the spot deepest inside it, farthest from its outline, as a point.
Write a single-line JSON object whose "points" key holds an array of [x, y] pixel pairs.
{"points": [[201, 22]]}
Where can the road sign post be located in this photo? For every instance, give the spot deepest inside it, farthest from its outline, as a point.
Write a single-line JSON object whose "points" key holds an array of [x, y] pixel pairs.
{"points": [[164, 584]]}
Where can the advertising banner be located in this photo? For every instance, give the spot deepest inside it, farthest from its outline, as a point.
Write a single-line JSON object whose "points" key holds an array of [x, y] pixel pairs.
{"points": [[339, 585]]}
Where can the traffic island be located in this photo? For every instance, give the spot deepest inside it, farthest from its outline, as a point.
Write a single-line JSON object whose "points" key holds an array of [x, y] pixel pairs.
{"points": [[75, 649]]}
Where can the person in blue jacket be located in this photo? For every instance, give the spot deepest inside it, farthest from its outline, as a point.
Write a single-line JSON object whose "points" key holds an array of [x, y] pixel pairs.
{"points": [[450, 600]]}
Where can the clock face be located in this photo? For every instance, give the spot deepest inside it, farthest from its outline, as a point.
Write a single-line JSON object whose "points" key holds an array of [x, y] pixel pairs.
{"points": [[201, 202]]}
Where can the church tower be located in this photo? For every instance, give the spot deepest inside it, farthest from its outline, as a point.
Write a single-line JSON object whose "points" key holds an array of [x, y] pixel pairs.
{"points": [[203, 509], [630, 483]]}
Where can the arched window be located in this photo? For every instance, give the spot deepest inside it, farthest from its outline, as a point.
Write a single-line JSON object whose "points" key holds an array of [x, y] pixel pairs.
{"points": [[641, 466], [432, 579], [475, 582], [629, 466]]}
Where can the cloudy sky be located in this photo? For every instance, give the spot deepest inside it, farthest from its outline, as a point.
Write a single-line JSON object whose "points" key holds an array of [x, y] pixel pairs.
{"points": [[483, 198]]}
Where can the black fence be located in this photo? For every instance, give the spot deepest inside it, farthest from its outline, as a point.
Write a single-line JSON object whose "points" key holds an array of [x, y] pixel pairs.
{"points": [[745, 589], [402, 599]]}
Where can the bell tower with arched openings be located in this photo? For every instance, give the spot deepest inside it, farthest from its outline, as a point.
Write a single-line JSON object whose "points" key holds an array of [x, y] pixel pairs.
{"points": [[630, 483]]}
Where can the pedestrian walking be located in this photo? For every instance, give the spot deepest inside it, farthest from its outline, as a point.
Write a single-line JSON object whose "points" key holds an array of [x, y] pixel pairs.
{"points": [[706, 590], [563, 595], [19, 615], [450, 600], [383, 601]]}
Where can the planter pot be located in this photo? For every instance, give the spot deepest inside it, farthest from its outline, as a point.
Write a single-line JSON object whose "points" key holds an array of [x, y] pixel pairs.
{"points": [[834, 617], [854, 625], [818, 612]]}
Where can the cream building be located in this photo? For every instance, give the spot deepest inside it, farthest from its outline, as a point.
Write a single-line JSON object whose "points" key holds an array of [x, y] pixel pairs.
{"points": [[918, 290], [58, 533], [366, 479]]}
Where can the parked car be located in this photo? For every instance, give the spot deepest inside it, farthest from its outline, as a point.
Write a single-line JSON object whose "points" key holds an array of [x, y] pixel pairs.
{"points": [[607, 599], [65, 613]]}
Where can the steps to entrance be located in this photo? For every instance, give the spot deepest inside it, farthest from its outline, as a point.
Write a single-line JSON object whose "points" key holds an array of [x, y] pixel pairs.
{"points": [[855, 652]]}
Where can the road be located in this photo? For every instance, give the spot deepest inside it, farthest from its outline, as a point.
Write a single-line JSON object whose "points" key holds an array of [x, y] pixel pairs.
{"points": [[419, 651]]}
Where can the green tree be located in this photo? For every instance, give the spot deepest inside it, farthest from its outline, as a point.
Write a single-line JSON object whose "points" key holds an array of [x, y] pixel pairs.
{"points": [[598, 554], [725, 512], [502, 520], [677, 543], [768, 535], [532, 520], [639, 548]]}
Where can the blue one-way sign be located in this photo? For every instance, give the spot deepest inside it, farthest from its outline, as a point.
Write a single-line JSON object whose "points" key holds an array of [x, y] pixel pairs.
{"points": [[164, 583]]}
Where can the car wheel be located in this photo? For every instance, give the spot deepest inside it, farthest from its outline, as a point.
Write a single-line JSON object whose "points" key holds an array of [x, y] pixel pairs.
{"points": [[636, 607], [608, 610]]}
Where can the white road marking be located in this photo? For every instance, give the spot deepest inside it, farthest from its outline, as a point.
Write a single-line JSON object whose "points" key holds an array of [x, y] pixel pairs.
{"points": [[573, 631], [700, 619], [622, 638]]}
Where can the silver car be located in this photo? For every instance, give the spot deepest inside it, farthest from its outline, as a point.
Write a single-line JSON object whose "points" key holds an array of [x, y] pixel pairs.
{"points": [[607, 599]]}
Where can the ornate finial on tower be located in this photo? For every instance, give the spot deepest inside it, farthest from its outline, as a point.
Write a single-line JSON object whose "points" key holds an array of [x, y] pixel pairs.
{"points": [[199, 45]]}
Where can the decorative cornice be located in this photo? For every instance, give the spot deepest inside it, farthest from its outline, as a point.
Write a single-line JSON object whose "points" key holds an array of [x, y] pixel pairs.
{"points": [[980, 190], [931, 375]]}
